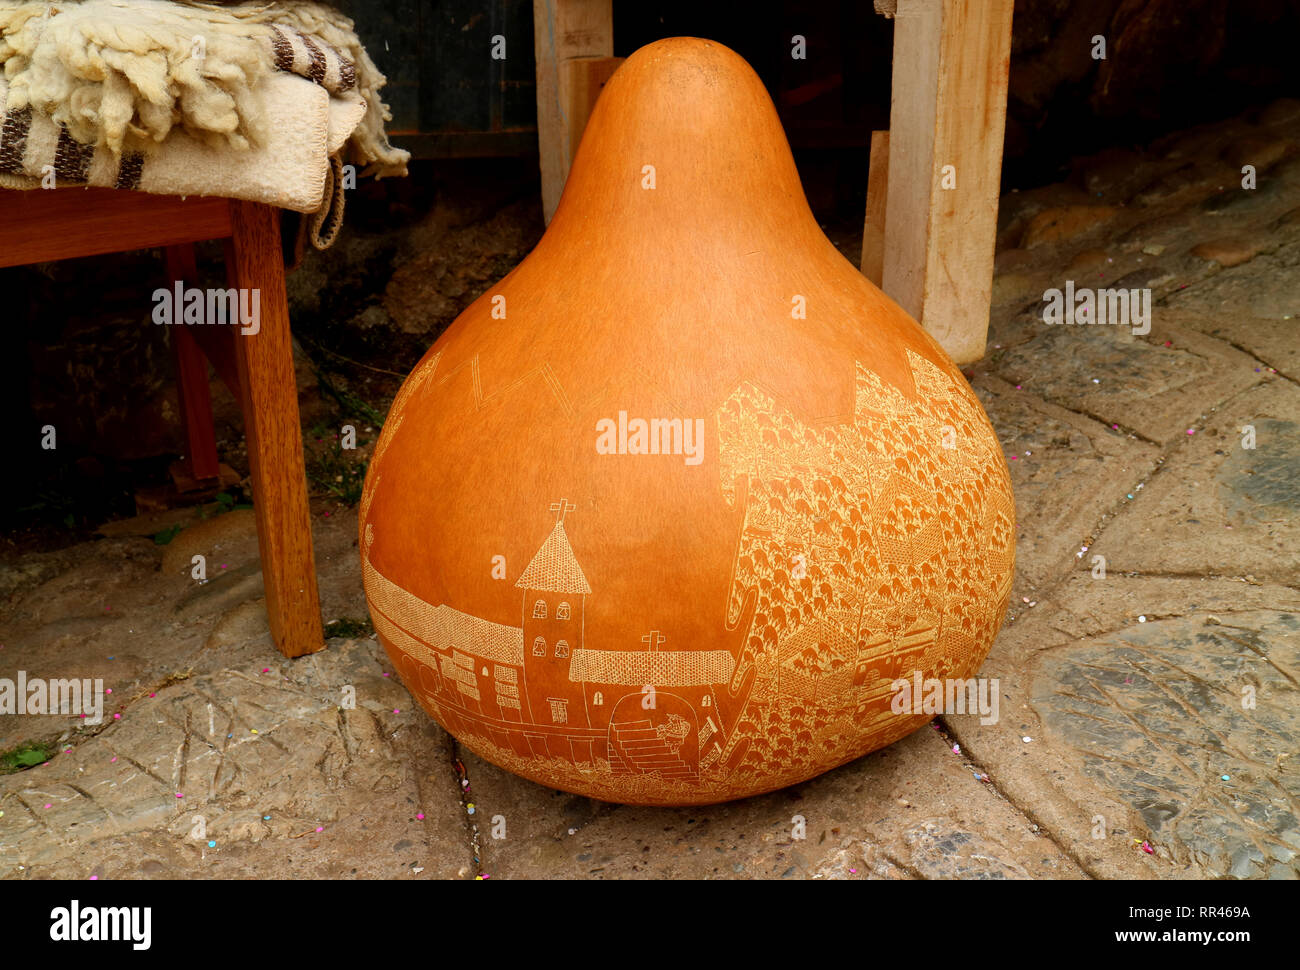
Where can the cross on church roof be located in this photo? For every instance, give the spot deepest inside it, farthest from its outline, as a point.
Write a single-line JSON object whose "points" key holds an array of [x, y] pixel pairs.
{"points": [[653, 639], [561, 507]]}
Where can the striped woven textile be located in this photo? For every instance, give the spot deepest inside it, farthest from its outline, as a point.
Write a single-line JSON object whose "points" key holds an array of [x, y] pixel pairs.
{"points": [[315, 60], [33, 145], [248, 100], [296, 169]]}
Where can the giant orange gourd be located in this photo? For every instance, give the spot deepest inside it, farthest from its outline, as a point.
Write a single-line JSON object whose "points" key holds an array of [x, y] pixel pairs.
{"points": [[664, 514]]}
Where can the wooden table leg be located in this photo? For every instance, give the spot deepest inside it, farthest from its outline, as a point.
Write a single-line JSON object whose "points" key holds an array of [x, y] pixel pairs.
{"points": [[269, 398], [192, 393], [946, 120]]}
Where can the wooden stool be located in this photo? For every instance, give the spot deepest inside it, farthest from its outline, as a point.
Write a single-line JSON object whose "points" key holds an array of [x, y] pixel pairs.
{"points": [[43, 225], [930, 229]]}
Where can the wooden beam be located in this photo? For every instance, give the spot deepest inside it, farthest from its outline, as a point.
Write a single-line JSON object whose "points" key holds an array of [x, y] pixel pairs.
{"points": [[585, 79], [873, 227], [563, 30], [42, 225], [948, 108], [269, 399]]}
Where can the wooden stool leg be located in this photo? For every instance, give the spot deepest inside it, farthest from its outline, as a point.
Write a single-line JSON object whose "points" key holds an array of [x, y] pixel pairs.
{"points": [[269, 398], [192, 378]]}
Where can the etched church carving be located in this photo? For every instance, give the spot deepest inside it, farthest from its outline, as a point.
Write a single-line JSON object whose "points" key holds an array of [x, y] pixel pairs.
{"points": [[541, 691]]}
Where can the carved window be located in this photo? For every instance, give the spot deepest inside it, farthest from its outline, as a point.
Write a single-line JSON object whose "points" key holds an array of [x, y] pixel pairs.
{"points": [[598, 699], [559, 710], [539, 610], [539, 647], [562, 611], [562, 648]]}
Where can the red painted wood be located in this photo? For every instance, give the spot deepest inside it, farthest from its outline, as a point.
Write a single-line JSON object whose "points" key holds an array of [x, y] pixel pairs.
{"points": [[269, 397], [41, 225], [191, 376]]}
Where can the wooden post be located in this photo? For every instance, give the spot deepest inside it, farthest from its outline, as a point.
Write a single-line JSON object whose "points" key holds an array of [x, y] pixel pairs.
{"points": [[584, 77], [873, 227], [948, 108], [563, 30], [269, 398]]}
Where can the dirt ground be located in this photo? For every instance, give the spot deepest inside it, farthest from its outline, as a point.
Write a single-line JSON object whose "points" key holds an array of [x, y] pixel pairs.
{"points": [[1148, 665]]}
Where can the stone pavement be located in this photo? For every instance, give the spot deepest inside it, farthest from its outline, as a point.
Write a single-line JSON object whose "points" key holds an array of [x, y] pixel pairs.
{"points": [[1148, 666]]}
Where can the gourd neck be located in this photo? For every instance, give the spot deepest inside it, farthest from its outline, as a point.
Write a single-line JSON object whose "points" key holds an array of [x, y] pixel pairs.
{"points": [[684, 158]]}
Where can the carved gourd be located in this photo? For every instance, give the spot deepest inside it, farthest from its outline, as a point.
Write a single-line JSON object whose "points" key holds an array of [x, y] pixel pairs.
{"points": [[669, 514]]}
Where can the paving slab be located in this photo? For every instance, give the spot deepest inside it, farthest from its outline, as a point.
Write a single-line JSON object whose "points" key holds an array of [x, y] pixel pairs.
{"points": [[1067, 472], [261, 748], [1121, 711], [1263, 321], [1156, 386], [1195, 724], [1216, 508], [264, 763], [913, 810]]}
